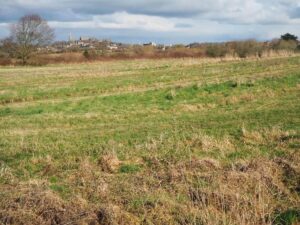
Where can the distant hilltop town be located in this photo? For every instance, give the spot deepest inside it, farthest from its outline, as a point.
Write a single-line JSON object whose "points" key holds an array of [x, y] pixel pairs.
{"points": [[81, 44], [93, 48], [89, 43]]}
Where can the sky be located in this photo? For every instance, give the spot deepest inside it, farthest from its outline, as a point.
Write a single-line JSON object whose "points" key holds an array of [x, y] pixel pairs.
{"points": [[160, 21]]}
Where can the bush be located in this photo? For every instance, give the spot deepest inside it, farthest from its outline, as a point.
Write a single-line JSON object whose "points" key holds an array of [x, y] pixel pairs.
{"points": [[290, 45], [249, 48], [86, 54], [216, 50], [5, 61], [90, 54]]}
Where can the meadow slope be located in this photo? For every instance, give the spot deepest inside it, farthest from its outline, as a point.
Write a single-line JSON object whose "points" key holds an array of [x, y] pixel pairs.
{"points": [[171, 141]]}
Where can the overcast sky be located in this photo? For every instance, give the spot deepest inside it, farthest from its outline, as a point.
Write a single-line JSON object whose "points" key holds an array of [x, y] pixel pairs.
{"points": [[162, 21]]}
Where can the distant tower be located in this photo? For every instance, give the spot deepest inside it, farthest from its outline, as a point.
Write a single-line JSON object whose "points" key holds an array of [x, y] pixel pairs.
{"points": [[71, 37]]}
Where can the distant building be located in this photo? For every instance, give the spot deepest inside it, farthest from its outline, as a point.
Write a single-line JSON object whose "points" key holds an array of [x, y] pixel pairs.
{"points": [[162, 47], [84, 39], [150, 44], [193, 45], [112, 47]]}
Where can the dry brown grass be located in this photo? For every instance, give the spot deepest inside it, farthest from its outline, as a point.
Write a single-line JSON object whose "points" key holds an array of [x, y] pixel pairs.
{"points": [[109, 163], [32, 204], [247, 192], [273, 135]]}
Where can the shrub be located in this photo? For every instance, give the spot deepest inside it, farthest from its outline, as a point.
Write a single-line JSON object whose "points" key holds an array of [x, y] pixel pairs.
{"points": [[5, 61], [248, 48], [290, 45], [216, 50], [90, 54], [86, 54]]}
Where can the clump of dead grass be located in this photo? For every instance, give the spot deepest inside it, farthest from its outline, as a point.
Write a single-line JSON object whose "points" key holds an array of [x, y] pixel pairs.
{"points": [[109, 163], [265, 136], [245, 97], [247, 195], [34, 204], [209, 144], [114, 215]]}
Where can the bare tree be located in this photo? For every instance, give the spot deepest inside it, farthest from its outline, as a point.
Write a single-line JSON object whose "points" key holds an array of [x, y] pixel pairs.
{"points": [[29, 33]]}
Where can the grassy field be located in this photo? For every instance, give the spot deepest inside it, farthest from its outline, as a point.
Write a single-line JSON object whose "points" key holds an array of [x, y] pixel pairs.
{"points": [[172, 141]]}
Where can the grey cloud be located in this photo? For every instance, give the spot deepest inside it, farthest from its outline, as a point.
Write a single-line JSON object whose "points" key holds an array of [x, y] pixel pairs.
{"points": [[295, 13], [234, 11]]}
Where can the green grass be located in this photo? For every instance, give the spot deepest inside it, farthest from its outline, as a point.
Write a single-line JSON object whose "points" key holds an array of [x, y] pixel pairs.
{"points": [[155, 115], [129, 168]]}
